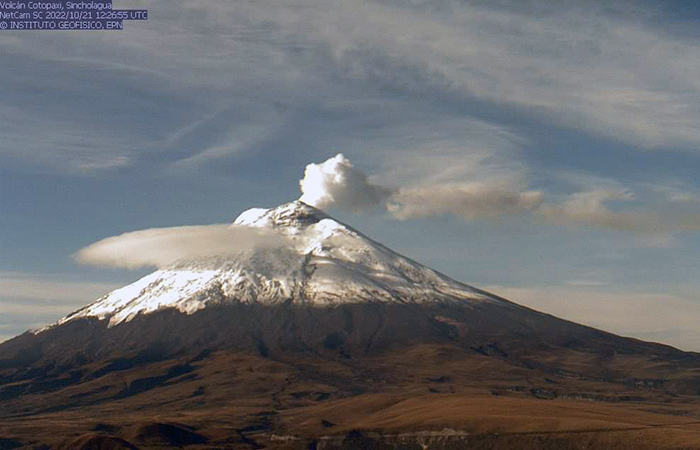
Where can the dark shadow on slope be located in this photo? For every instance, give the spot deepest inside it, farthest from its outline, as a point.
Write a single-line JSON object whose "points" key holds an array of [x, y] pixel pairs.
{"points": [[141, 385], [98, 442], [9, 444], [165, 434]]}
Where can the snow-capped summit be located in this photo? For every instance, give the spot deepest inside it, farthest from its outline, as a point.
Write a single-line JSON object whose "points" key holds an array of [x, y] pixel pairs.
{"points": [[320, 262], [290, 217]]}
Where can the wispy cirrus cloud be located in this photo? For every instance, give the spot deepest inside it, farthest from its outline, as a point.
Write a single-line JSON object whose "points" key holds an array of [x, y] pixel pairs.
{"points": [[577, 66], [621, 76]]}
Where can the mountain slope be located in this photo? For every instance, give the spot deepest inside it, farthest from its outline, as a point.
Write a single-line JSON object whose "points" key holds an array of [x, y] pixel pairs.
{"points": [[322, 262], [315, 335]]}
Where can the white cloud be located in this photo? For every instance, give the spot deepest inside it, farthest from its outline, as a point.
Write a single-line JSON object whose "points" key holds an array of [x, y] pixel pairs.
{"points": [[667, 318], [336, 183], [486, 185], [160, 247], [465, 167]]}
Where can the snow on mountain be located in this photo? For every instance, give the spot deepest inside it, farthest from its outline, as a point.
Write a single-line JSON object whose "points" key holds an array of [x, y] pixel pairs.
{"points": [[325, 263]]}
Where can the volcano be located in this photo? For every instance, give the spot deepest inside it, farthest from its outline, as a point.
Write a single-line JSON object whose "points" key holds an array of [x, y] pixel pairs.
{"points": [[328, 339]]}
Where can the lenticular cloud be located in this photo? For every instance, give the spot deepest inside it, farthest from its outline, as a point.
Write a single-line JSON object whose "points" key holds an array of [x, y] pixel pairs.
{"points": [[161, 247]]}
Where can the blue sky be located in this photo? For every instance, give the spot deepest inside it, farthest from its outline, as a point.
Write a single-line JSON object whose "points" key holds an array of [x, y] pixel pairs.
{"points": [[546, 153]]}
